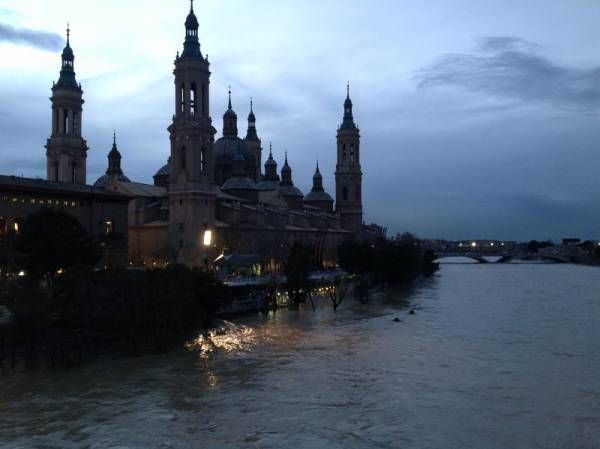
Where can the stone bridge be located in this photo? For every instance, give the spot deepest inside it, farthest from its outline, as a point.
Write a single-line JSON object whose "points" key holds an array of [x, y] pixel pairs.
{"points": [[483, 257]]}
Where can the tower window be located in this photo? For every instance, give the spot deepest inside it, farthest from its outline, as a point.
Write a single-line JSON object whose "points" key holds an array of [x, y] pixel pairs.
{"points": [[193, 98], [56, 171], [203, 99], [345, 193], [57, 120], [202, 162], [344, 152], [183, 158], [352, 153], [65, 120], [109, 228], [73, 172], [182, 97], [74, 130]]}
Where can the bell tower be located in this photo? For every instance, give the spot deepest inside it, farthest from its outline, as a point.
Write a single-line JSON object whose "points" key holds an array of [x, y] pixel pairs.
{"points": [[191, 191], [348, 173], [66, 150]]}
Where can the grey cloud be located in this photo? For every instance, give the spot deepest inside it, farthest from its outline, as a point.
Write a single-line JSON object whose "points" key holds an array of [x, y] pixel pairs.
{"points": [[508, 67], [39, 39]]}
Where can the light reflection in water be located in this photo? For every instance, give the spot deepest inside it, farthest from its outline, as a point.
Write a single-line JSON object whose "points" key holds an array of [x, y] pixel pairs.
{"points": [[227, 337]]}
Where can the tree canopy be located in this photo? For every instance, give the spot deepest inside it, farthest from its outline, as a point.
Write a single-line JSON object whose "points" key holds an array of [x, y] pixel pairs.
{"points": [[51, 240]]}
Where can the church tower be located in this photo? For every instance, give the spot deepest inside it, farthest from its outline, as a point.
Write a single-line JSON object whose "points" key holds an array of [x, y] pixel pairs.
{"points": [[253, 142], [348, 174], [191, 191], [66, 150]]}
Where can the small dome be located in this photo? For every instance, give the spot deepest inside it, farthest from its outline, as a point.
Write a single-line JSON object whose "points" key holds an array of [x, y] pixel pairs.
{"points": [[317, 196], [104, 180], [192, 21], [67, 53], [290, 191], [165, 170], [230, 113], [239, 183], [228, 147], [268, 184]]}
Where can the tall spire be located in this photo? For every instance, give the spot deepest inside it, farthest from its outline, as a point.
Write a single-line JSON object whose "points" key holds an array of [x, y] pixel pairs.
{"points": [[191, 46], [67, 72], [114, 158], [317, 180], [230, 119], [251, 135], [286, 173], [348, 122]]}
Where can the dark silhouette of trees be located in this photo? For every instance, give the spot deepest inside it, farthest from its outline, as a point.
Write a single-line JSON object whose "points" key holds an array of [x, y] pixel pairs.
{"points": [[534, 246], [51, 240], [386, 261], [297, 270]]}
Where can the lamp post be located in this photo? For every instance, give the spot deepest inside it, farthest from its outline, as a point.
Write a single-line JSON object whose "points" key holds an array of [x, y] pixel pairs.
{"points": [[206, 242]]}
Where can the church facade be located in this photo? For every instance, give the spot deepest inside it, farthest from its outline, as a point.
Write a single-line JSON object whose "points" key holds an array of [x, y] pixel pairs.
{"points": [[212, 197]]}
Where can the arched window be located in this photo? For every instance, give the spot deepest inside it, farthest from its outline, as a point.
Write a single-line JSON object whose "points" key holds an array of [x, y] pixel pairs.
{"points": [[343, 152], [57, 120], [73, 172], [74, 130], [193, 98], [202, 160], [56, 171], [109, 227], [345, 193], [65, 121], [203, 99], [183, 158], [351, 152], [182, 97]]}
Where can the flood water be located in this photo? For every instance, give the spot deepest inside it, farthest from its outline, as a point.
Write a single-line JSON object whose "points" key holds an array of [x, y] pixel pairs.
{"points": [[496, 356]]}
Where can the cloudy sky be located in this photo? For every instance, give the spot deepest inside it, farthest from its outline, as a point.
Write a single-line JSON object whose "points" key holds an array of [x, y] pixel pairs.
{"points": [[479, 119]]}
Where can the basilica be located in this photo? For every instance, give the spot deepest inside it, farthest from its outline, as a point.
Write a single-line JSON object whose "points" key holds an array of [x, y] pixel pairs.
{"points": [[213, 197]]}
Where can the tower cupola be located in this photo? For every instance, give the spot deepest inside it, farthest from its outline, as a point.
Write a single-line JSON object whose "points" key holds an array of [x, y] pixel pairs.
{"points": [[252, 135], [230, 120], [67, 72], [348, 122], [286, 173], [191, 46]]}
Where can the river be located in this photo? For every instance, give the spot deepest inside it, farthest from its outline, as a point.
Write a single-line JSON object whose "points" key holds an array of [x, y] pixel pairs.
{"points": [[496, 356]]}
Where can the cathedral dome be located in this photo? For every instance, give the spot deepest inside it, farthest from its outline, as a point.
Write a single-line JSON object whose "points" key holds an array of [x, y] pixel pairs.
{"points": [[268, 184], [104, 180], [314, 196], [228, 147], [290, 191], [165, 170], [239, 183]]}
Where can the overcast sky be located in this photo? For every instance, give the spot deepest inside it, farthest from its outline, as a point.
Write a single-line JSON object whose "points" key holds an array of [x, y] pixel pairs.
{"points": [[479, 118]]}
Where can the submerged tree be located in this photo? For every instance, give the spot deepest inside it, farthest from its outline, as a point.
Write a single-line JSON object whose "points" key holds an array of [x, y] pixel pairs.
{"points": [[51, 240], [297, 270]]}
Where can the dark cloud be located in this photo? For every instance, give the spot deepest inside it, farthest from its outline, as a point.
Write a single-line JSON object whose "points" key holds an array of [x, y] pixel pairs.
{"points": [[508, 67], [39, 39]]}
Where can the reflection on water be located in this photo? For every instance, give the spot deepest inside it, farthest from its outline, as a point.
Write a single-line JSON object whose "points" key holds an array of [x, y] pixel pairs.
{"points": [[496, 357], [225, 337]]}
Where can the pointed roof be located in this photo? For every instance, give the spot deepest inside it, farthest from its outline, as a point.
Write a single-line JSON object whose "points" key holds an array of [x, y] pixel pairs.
{"points": [[191, 45], [67, 72], [348, 122]]}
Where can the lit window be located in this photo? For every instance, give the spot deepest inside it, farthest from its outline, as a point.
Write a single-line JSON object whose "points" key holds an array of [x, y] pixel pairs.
{"points": [[108, 227], [207, 239]]}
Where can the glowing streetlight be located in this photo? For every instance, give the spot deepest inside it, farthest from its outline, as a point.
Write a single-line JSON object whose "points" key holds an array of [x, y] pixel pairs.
{"points": [[207, 238]]}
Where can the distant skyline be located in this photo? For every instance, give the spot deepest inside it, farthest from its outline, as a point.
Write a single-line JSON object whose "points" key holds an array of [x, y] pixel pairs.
{"points": [[478, 119]]}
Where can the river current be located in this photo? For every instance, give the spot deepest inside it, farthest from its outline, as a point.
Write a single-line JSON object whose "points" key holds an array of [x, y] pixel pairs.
{"points": [[496, 356]]}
